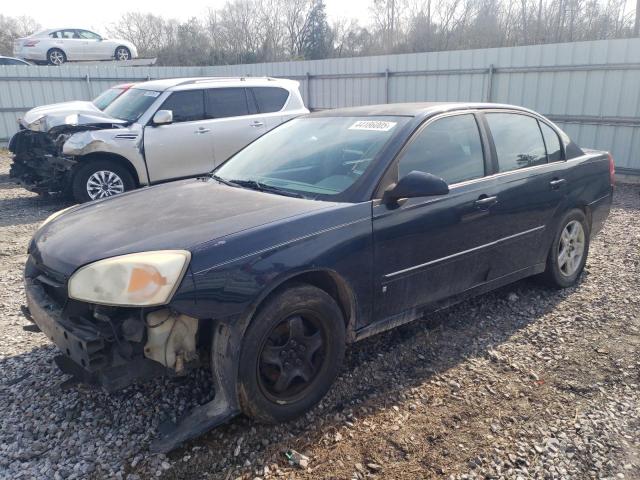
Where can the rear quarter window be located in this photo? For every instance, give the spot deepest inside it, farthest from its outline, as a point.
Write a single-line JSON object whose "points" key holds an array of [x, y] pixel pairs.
{"points": [[552, 142], [270, 99]]}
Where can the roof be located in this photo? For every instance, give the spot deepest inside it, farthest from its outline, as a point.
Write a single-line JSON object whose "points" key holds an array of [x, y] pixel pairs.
{"points": [[410, 109], [199, 82]]}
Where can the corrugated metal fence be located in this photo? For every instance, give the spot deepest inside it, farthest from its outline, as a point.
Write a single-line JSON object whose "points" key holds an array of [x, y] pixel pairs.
{"points": [[591, 89]]}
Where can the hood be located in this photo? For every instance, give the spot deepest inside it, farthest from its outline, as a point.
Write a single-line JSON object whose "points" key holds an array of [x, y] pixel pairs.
{"points": [[97, 118], [179, 215], [63, 108]]}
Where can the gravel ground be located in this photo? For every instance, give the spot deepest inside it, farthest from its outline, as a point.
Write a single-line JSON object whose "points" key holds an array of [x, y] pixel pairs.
{"points": [[521, 383]]}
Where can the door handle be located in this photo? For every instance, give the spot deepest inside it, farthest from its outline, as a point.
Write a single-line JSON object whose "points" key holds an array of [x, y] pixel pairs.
{"points": [[256, 124], [556, 183], [202, 130], [484, 202]]}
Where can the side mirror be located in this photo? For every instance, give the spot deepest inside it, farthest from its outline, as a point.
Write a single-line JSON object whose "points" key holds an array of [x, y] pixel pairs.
{"points": [[415, 184], [163, 117]]}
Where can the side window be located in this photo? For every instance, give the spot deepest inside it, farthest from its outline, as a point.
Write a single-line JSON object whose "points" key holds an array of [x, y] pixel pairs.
{"points": [[68, 34], [270, 99], [226, 102], [187, 105], [86, 34], [552, 142], [517, 139], [449, 148]]}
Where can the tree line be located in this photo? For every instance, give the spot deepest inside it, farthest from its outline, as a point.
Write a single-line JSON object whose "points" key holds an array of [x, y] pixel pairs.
{"points": [[250, 31]]}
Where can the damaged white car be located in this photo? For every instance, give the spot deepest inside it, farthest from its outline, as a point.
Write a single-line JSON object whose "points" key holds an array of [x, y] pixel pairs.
{"points": [[155, 132]]}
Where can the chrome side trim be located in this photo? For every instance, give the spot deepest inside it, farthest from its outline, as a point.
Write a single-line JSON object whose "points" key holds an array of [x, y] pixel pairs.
{"points": [[464, 252], [273, 247]]}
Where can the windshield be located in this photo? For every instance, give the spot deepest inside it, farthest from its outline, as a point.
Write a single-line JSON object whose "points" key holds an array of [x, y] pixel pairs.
{"points": [[315, 157], [131, 104], [103, 100]]}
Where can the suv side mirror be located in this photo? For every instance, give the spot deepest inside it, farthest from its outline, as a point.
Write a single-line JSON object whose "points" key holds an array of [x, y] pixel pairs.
{"points": [[415, 184], [163, 117]]}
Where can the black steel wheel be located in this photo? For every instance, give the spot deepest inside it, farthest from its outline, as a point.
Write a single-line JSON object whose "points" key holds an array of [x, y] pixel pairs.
{"points": [[291, 354]]}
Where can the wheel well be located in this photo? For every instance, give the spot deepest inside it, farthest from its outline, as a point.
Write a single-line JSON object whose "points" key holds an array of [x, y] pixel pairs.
{"points": [[329, 282], [112, 157], [121, 46]]}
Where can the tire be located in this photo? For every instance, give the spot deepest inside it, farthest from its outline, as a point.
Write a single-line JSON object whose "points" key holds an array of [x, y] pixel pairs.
{"points": [[562, 271], [122, 53], [55, 56], [301, 327], [114, 177]]}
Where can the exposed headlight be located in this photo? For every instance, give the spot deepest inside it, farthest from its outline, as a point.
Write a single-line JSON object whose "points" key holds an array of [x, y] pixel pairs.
{"points": [[137, 279], [55, 215]]}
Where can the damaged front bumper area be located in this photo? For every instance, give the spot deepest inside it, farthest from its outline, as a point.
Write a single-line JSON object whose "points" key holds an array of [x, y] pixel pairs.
{"points": [[38, 162], [111, 347]]}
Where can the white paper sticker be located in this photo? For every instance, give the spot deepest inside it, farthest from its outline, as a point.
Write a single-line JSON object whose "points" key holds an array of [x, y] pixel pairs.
{"points": [[373, 125], [151, 93]]}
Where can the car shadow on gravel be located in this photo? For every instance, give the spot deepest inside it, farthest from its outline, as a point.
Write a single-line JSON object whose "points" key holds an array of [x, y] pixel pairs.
{"points": [[26, 210]]}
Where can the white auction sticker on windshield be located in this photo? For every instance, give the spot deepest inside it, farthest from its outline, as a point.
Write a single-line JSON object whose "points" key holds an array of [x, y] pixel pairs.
{"points": [[151, 93], [374, 125]]}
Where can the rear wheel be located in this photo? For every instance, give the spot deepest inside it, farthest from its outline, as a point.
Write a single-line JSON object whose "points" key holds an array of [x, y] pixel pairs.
{"points": [[100, 179], [122, 53], [291, 354], [568, 253], [55, 56]]}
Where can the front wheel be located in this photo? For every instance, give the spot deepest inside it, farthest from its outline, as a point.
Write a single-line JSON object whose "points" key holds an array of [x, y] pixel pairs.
{"points": [[568, 253], [100, 179], [122, 53], [291, 354]]}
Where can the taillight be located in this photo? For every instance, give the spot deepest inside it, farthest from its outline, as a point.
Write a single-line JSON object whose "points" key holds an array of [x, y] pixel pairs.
{"points": [[612, 171], [31, 43]]}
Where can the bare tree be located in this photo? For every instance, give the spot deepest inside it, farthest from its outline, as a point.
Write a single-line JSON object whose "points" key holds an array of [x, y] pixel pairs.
{"points": [[12, 28]]}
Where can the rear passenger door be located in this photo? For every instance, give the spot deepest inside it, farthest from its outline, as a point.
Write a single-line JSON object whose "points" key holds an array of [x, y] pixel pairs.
{"points": [[530, 188], [234, 124], [185, 147]]}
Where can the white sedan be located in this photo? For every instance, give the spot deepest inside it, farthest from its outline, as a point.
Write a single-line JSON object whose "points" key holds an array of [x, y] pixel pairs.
{"points": [[57, 46]]}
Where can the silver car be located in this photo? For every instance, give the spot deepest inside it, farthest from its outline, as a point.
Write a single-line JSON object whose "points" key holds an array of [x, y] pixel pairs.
{"points": [[56, 46], [154, 132]]}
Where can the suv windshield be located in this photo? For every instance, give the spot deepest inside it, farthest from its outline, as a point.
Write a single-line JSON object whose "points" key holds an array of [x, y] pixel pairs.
{"points": [[103, 100], [314, 157], [131, 104]]}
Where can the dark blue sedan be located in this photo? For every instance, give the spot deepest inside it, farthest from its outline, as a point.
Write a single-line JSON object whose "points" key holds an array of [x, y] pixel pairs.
{"points": [[328, 229]]}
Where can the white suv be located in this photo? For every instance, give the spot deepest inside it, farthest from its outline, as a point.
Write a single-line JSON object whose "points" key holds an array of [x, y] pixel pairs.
{"points": [[154, 132]]}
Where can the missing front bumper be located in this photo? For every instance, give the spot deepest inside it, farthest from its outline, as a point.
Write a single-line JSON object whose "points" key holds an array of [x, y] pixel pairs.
{"points": [[87, 355]]}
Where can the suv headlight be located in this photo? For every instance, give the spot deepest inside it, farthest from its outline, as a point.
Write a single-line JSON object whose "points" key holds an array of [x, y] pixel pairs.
{"points": [[137, 279]]}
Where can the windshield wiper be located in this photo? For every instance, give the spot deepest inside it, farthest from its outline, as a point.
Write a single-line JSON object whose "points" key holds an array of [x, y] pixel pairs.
{"points": [[261, 187], [223, 180]]}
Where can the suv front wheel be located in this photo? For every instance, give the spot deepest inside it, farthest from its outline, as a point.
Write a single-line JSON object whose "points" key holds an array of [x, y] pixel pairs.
{"points": [[100, 179]]}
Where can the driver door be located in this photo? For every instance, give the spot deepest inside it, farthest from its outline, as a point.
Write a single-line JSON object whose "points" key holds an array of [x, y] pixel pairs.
{"points": [[429, 248]]}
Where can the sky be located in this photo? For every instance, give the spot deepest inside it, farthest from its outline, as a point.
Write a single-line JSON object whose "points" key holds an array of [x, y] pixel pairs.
{"points": [[98, 15]]}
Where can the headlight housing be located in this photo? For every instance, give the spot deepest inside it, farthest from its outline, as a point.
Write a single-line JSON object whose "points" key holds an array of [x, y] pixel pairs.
{"points": [[134, 280]]}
